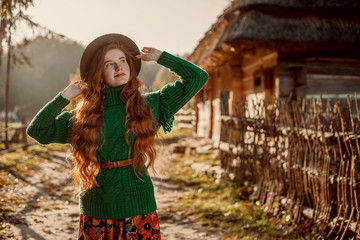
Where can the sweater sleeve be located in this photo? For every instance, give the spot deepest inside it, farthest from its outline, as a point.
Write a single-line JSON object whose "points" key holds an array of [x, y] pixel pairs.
{"points": [[51, 124], [174, 96]]}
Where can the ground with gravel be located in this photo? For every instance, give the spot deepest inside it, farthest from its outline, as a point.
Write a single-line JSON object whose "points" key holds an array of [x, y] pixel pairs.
{"points": [[49, 211]]}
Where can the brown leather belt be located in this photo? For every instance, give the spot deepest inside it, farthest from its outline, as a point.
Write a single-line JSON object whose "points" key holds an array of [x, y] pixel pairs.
{"points": [[116, 164]]}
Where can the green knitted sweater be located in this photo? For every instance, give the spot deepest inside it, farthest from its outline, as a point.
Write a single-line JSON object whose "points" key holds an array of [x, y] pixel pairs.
{"points": [[120, 193]]}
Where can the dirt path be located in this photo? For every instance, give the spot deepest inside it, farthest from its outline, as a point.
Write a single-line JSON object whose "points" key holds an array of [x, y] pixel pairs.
{"points": [[53, 212], [175, 226]]}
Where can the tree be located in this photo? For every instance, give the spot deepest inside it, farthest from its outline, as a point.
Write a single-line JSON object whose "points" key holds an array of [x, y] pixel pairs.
{"points": [[12, 15], [11, 12], [8, 21]]}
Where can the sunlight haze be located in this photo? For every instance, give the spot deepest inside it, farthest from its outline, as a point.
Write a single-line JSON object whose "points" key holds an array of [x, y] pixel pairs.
{"points": [[171, 25]]}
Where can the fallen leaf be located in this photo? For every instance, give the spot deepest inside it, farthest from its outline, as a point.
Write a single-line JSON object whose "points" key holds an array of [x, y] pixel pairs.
{"points": [[46, 231]]}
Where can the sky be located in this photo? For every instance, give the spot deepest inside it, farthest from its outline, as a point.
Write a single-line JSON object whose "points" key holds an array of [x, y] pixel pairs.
{"points": [[175, 26]]}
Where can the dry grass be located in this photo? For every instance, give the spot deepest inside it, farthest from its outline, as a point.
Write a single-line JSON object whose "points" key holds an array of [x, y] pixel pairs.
{"points": [[230, 208]]}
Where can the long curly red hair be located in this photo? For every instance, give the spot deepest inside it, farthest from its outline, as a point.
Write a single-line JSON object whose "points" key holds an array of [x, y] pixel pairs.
{"points": [[88, 121]]}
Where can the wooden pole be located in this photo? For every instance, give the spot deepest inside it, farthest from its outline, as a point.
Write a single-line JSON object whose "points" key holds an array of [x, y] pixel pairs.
{"points": [[23, 133], [7, 90]]}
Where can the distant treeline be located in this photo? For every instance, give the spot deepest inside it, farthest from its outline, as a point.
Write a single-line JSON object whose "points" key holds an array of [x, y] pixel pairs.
{"points": [[52, 61]]}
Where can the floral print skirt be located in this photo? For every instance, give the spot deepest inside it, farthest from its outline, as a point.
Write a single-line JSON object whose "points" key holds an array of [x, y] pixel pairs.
{"points": [[141, 227]]}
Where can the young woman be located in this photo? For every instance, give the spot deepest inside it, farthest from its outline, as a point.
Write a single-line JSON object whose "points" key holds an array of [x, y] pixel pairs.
{"points": [[112, 134]]}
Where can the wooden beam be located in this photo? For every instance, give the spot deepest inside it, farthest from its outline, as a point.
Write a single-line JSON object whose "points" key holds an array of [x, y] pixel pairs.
{"points": [[328, 68], [13, 149]]}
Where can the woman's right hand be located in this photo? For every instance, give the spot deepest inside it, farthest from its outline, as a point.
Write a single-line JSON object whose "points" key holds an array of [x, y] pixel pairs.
{"points": [[71, 91]]}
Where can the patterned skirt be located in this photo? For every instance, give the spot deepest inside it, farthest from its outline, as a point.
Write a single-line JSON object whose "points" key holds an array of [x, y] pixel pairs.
{"points": [[141, 227]]}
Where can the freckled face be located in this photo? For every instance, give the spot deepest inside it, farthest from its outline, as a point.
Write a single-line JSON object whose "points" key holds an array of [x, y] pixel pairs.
{"points": [[116, 68]]}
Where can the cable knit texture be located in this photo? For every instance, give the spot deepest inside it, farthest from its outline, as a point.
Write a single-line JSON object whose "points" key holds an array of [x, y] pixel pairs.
{"points": [[120, 193]]}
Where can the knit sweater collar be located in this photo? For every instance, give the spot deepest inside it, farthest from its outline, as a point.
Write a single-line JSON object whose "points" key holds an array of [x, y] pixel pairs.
{"points": [[112, 96]]}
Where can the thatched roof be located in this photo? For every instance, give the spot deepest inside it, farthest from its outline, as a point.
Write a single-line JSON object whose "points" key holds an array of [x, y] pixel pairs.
{"points": [[206, 47], [301, 25], [323, 26], [301, 34], [344, 9]]}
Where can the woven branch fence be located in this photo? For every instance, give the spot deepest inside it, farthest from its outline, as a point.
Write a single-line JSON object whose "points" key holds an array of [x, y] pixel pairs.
{"points": [[303, 158], [12, 138]]}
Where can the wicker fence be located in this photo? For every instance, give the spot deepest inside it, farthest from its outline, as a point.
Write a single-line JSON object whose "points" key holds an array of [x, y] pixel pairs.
{"points": [[303, 158], [12, 138], [184, 119]]}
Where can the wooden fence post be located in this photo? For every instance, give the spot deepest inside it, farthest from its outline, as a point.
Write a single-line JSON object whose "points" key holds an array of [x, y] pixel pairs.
{"points": [[224, 131], [224, 111], [7, 92], [224, 103], [23, 133]]}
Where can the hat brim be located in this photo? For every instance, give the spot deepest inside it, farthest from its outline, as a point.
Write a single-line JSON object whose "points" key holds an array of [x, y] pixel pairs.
{"points": [[101, 42]]}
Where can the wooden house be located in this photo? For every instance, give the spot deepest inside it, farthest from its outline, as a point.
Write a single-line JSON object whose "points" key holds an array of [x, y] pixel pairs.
{"points": [[266, 49]]}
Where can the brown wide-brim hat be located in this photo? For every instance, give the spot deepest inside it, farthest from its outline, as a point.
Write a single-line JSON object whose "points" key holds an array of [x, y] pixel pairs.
{"points": [[103, 41]]}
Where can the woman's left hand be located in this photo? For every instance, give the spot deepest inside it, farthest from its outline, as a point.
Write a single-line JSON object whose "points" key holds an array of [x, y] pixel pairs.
{"points": [[149, 54]]}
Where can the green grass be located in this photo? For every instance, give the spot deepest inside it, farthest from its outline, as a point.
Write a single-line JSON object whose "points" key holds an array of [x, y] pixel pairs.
{"points": [[224, 205], [22, 162], [175, 133]]}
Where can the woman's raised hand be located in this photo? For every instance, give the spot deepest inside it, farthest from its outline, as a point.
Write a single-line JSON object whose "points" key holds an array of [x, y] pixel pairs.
{"points": [[149, 54], [72, 90]]}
